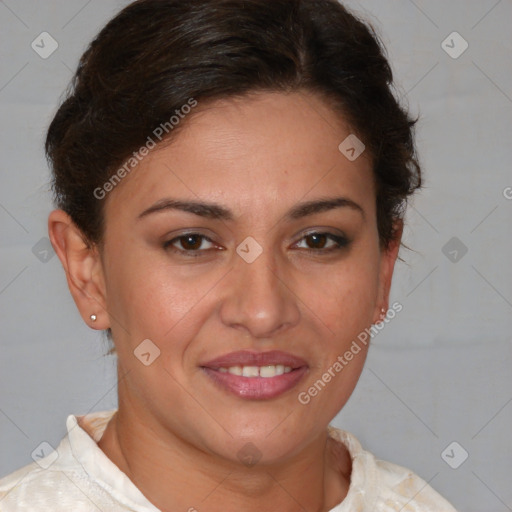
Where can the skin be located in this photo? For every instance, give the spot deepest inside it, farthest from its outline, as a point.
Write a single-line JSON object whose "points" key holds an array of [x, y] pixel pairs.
{"points": [[176, 434]]}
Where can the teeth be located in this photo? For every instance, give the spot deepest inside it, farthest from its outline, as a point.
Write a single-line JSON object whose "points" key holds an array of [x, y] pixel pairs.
{"points": [[268, 371], [250, 371], [257, 371]]}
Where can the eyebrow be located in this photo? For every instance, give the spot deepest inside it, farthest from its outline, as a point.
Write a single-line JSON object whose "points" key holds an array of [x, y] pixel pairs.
{"points": [[216, 211]]}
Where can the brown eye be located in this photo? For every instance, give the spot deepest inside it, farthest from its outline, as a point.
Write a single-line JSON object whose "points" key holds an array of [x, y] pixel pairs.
{"points": [[189, 243], [318, 242]]}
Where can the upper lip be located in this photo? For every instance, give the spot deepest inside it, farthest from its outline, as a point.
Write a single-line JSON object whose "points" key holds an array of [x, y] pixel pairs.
{"points": [[248, 358]]}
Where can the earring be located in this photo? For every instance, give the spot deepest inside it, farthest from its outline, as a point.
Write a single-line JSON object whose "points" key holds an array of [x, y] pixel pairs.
{"points": [[382, 314], [93, 318]]}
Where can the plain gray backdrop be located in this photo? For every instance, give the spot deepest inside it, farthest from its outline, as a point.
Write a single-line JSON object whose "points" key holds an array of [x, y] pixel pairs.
{"points": [[439, 373]]}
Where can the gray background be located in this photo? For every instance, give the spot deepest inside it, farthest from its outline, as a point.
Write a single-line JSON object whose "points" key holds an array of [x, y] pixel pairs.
{"points": [[439, 372]]}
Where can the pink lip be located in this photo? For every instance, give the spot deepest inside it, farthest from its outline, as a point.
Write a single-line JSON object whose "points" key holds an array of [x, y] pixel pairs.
{"points": [[247, 358], [256, 388]]}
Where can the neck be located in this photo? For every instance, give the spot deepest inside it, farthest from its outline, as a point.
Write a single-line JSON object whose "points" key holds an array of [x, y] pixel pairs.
{"points": [[175, 475]]}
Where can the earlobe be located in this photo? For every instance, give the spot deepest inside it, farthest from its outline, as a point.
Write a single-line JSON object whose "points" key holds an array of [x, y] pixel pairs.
{"points": [[84, 272]]}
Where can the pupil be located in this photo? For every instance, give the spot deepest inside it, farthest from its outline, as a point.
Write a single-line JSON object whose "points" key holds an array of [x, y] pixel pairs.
{"points": [[192, 237], [317, 237]]}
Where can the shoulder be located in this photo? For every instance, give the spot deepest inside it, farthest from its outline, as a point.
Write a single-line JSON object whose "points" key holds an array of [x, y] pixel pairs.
{"points": [[381, 486], [56, 482], [50, 488], [400, 487]]}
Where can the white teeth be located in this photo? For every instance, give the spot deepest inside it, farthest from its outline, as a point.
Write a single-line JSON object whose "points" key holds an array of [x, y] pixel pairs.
{"points": [[268, 371], [250, 371], [235, 370], [257, 371]]}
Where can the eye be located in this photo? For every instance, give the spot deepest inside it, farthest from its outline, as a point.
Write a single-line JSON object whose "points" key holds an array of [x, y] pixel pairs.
{"points": [[190, 243], [319, 240]]}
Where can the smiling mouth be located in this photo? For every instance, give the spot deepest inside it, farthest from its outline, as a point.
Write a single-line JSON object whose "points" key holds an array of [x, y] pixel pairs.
{"points": [[265, 372], [256, 375]]}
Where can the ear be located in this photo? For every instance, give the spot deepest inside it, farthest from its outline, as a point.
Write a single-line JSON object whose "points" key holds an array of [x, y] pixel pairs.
{"points": [[83, 266], [387, 264]]}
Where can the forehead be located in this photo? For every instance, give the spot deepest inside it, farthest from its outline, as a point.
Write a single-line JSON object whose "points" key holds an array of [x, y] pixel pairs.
{"points": [[250, 151]]}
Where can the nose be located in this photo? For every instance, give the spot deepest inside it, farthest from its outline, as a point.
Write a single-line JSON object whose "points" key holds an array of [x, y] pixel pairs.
{"points": [[259, 298]]}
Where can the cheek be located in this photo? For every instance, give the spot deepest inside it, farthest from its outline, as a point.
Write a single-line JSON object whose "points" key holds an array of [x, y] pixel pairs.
{"points": [[346, 301], [162, 302], [344, 295]]}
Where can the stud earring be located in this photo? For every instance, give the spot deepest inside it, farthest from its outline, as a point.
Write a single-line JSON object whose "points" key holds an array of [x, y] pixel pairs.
{"points": [[93, 318]]}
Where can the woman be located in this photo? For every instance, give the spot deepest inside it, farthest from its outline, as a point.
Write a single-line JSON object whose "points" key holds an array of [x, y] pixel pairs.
{"points": [[231, 178]]}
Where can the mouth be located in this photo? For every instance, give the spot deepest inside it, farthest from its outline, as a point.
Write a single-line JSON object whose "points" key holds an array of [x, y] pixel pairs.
{"points": [[256, 375]]}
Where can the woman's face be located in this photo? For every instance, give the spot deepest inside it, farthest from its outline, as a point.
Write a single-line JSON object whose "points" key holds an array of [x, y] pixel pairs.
{"points": [[253, 279]]}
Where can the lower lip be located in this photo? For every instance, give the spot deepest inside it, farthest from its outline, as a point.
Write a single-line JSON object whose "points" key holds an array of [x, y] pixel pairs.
{"points": [[257, 388]]}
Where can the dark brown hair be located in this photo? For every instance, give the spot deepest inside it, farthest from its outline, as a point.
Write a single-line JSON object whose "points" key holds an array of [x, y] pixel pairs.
{"points": [[155, 55]]}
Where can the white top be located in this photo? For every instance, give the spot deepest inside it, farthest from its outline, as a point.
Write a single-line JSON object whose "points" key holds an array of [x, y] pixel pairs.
{"points": [[79, 477]]}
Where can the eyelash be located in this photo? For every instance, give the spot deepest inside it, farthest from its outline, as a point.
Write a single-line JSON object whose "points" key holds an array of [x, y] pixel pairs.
{"points": [[341, 242]]}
